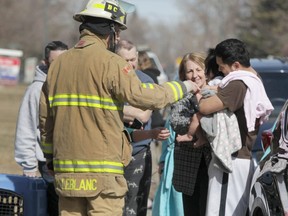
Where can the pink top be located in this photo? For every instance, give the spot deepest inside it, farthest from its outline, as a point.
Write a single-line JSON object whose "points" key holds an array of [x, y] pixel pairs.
{"points": [[255, 97]]}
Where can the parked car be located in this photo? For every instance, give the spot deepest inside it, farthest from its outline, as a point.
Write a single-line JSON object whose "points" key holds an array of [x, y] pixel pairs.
{"points": [[274, 73], [22, 196], [268, 195], [269, 190]]}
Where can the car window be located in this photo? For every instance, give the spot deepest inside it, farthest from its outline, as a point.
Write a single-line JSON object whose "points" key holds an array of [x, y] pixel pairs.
{"points": [[275, 86]]}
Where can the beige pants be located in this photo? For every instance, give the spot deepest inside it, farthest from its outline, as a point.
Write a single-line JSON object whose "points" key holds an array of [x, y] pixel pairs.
{"points": [[91, 206], [104, 197]]}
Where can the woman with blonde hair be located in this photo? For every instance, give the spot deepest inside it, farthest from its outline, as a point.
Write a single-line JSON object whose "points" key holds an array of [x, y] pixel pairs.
{"points": [[190, 174]]}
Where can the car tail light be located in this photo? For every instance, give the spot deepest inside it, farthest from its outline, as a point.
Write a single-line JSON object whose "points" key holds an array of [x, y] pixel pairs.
{"points": [[267, 136]]}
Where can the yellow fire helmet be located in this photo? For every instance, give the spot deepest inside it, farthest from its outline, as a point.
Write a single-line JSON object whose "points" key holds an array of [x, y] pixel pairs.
{"points": [[115, 10]]}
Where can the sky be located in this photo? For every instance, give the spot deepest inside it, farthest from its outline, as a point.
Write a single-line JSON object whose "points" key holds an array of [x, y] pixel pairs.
{"points": [[155, 10]]}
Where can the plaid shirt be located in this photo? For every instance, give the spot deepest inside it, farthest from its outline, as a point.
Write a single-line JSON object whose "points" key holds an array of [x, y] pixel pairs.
{"points": [[186, 158], [186, 163]]}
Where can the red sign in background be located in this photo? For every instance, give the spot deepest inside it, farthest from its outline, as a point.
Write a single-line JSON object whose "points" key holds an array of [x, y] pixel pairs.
{"points": [[9, 70]]}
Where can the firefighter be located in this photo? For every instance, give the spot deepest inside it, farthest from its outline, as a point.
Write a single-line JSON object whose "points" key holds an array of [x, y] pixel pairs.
{"points": [[81, 113]]}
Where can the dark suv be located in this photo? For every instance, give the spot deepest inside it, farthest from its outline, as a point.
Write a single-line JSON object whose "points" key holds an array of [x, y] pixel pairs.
{"points": [[268, 195], [274, 73]]}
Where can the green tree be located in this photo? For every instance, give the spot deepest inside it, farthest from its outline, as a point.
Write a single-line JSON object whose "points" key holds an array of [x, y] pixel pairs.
{"points": [[264, 29]]}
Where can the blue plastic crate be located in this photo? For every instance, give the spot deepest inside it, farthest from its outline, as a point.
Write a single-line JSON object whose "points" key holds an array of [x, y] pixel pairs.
{"points": [[20, 195]]}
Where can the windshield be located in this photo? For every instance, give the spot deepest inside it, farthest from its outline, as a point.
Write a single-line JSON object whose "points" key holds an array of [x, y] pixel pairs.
{"points": [[275, 86]]}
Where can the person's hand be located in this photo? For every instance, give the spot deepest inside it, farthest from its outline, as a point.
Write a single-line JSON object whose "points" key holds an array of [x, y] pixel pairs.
{"points": [[160, 133], [50, 168], [184, 138], [30, 174], [191, 86]]}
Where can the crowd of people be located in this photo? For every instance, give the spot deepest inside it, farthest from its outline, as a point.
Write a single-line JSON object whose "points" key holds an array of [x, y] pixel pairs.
{"points": [[88, 120]]}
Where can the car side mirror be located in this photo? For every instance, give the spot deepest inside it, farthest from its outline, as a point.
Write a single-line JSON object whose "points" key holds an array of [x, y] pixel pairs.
{"points": [[266, 138]]}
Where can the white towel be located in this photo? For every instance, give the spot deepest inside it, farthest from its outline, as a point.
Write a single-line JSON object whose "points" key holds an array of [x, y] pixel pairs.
{"points": [[255, 97]]}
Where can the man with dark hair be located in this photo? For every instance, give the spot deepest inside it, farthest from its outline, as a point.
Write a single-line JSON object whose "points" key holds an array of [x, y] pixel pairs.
{"points": [[52, 51], [81, 113], [241, 91], [28, 153]]}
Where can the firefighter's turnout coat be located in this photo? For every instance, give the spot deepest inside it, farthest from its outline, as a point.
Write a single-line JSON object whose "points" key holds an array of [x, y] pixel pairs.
{"points": [[81, 116]]}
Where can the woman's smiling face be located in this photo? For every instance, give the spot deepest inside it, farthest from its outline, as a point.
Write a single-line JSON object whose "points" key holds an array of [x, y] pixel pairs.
{"points": [[195, 73]]}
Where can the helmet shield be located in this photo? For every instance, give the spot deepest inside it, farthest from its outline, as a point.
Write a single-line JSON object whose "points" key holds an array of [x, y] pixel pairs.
{"points": [[128, 8]]}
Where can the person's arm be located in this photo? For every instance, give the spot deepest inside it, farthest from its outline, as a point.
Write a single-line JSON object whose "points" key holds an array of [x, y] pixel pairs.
{"points": [[156, 133], [194, 125], [46, 126], [131, 112], [230, 97], [125, 85], [210, 105], [26, 132]]}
